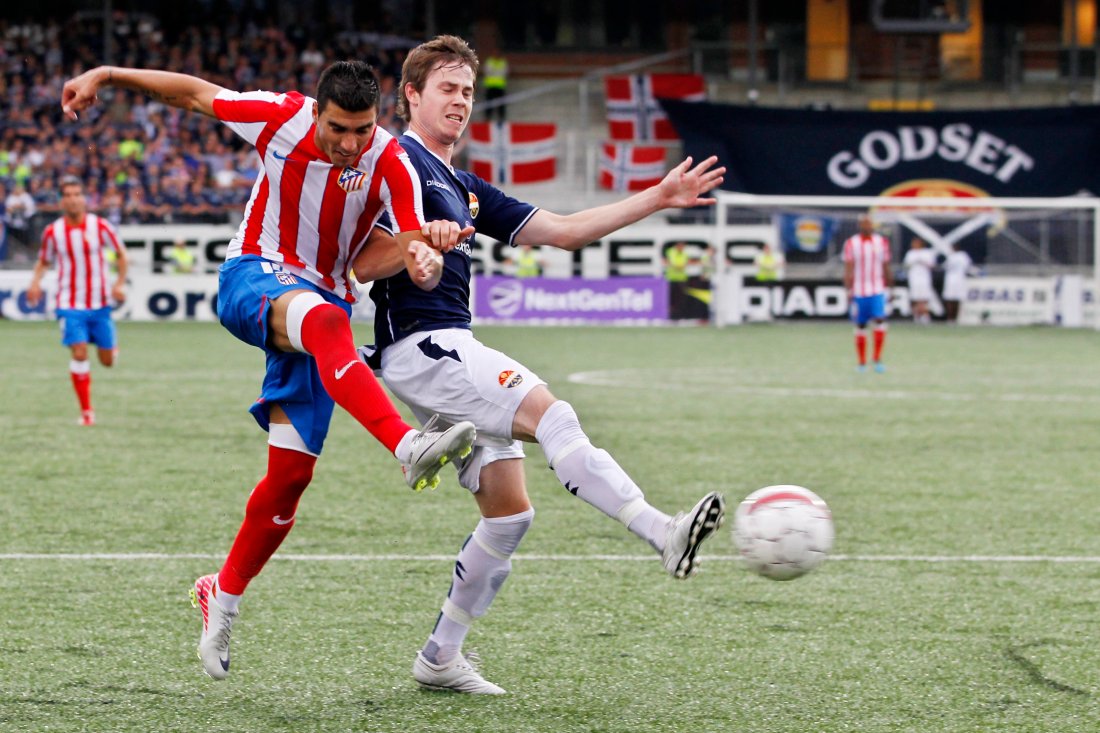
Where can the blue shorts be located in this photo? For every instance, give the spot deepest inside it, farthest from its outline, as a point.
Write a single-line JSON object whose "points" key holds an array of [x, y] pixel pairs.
{"points": [[246, 287], [87, 326], [869, 308]]}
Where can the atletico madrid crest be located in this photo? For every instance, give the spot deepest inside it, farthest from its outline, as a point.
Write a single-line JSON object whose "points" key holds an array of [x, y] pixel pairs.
{"points": [[351, 179]]}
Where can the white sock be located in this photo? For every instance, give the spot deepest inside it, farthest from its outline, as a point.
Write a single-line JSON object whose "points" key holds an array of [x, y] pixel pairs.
{"points": [[591, 474], [227, 601], [482, 566], [404, 446]]}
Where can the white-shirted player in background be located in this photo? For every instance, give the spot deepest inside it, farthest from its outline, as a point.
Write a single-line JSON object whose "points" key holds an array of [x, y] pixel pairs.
{"points": [[919, 262], [956, 268], [867, 275], [327, 174], [78, 242]]}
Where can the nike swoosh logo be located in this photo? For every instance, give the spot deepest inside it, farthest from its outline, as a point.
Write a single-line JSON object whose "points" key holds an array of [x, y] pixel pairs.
{"points": [[283, 157], [279, 520], [344, 369]]}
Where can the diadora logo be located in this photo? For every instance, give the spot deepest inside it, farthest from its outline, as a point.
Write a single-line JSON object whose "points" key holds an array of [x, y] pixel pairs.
{"points": [[509, 379], [437, 184], [351, 179]]}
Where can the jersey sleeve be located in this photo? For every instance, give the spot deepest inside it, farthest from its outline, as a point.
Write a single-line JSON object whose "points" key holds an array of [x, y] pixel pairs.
{"points": [[499, 215], [48, 251], [401, 190], [384, 223], [848, 250], [109, 235], [248, 114]]}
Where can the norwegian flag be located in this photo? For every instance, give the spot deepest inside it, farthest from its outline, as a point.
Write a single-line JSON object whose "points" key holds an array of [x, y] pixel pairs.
{"points": [[633, 112], [513, 152], [628, 167]]}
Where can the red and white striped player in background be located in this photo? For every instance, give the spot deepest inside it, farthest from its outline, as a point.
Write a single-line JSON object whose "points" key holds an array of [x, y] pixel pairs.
{"points": [[78, 242], [867, 275]]}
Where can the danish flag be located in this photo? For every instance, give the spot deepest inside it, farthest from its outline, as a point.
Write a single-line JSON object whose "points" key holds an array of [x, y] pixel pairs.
{"points": [[633, 112], [628, 167], [513, 152]]}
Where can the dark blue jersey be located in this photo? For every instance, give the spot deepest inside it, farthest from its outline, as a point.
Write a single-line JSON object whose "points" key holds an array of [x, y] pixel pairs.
{"points": [[459, 196]]}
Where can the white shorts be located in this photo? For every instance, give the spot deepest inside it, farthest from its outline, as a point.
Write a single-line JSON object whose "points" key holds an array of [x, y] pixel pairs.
{"points": [[920, 288], [452, 374]]}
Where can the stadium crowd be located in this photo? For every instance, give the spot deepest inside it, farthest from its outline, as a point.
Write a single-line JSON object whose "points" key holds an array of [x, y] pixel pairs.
{"points": [[142, 161]]}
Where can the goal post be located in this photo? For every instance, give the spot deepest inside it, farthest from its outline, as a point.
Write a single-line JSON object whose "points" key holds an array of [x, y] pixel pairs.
{"points": [[1057, 239]]}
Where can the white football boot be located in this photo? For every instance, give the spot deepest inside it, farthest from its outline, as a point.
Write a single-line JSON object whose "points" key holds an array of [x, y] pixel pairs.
{"points": [[687, 531], [458, 675], [217, 624], [431, 450]]}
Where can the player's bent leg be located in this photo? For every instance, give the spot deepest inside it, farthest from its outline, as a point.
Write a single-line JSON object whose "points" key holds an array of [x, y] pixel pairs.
{"points": [[323, 330], [269, 517]]}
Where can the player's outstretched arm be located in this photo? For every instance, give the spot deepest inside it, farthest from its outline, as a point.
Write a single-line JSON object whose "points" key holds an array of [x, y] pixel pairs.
{"points": [[178, 90], [382, 256], [684, 186]]}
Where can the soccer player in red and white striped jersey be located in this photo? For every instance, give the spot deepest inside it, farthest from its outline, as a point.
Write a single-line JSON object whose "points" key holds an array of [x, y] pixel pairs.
{"points": [[78, 242], [867, 275], [327, 174]]}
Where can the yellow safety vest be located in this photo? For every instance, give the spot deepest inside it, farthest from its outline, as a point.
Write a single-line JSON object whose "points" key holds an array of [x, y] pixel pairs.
{"points": [[676, 271], [767, 267], [183, 261], [496, 72], [527, 265]]}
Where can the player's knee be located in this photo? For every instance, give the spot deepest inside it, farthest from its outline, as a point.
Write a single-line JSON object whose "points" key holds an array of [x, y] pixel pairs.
{"points": [[500, 536], [559, 432], [315, 307]]}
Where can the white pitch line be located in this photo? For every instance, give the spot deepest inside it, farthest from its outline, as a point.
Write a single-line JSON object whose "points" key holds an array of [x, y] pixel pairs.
{"points": [[623, 378], [140, 556]]}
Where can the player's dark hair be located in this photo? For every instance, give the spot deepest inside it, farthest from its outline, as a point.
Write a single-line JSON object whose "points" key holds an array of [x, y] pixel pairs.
{"points": [[350, 85], [441, 50], [67, 181]]}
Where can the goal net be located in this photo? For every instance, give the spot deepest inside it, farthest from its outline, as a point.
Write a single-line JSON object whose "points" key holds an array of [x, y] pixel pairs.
{"points": [[1034, 259]]}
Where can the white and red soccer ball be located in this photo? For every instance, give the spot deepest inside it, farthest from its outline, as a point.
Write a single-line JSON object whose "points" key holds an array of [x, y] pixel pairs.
{"points": [[783, 532]]}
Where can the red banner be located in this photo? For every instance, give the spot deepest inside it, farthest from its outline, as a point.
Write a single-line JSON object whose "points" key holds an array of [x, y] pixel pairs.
{"points": [[513, 152], [633, 112]]}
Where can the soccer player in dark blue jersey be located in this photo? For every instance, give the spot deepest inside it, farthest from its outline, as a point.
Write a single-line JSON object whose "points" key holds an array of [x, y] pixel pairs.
{"points": [[431, 360]]}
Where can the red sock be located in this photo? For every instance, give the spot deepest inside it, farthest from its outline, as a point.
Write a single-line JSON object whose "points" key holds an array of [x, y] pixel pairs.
{"points": [[326, 335], [82, 383], [268, 517], [880, 339], [861, 346]]}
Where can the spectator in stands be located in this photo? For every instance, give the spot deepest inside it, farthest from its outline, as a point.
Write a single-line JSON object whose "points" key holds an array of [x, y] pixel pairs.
{"points": [[495, 79], [18, 209]]}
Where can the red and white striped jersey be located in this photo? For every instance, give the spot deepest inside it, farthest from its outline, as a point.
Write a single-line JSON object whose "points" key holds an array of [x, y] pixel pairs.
{"points": [[80, 253], [306, 213], [868, 255]]}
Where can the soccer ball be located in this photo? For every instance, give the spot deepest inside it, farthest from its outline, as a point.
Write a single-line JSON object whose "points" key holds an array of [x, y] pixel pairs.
{"points": [[783, 532]]}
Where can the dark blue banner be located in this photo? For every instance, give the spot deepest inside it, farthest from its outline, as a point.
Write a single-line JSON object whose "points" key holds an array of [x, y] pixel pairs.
{"points": [[1018, 152]]}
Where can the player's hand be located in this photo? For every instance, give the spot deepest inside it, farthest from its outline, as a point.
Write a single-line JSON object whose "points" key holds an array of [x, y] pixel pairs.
{"points": [[427, 265], [81, 92], [34, 295], [684, 185], [445, 235], [118, 292]]}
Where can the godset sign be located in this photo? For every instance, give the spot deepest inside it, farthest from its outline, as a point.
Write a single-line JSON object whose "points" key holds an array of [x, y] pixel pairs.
{"points": [[1036, 151], [881, 150]]}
